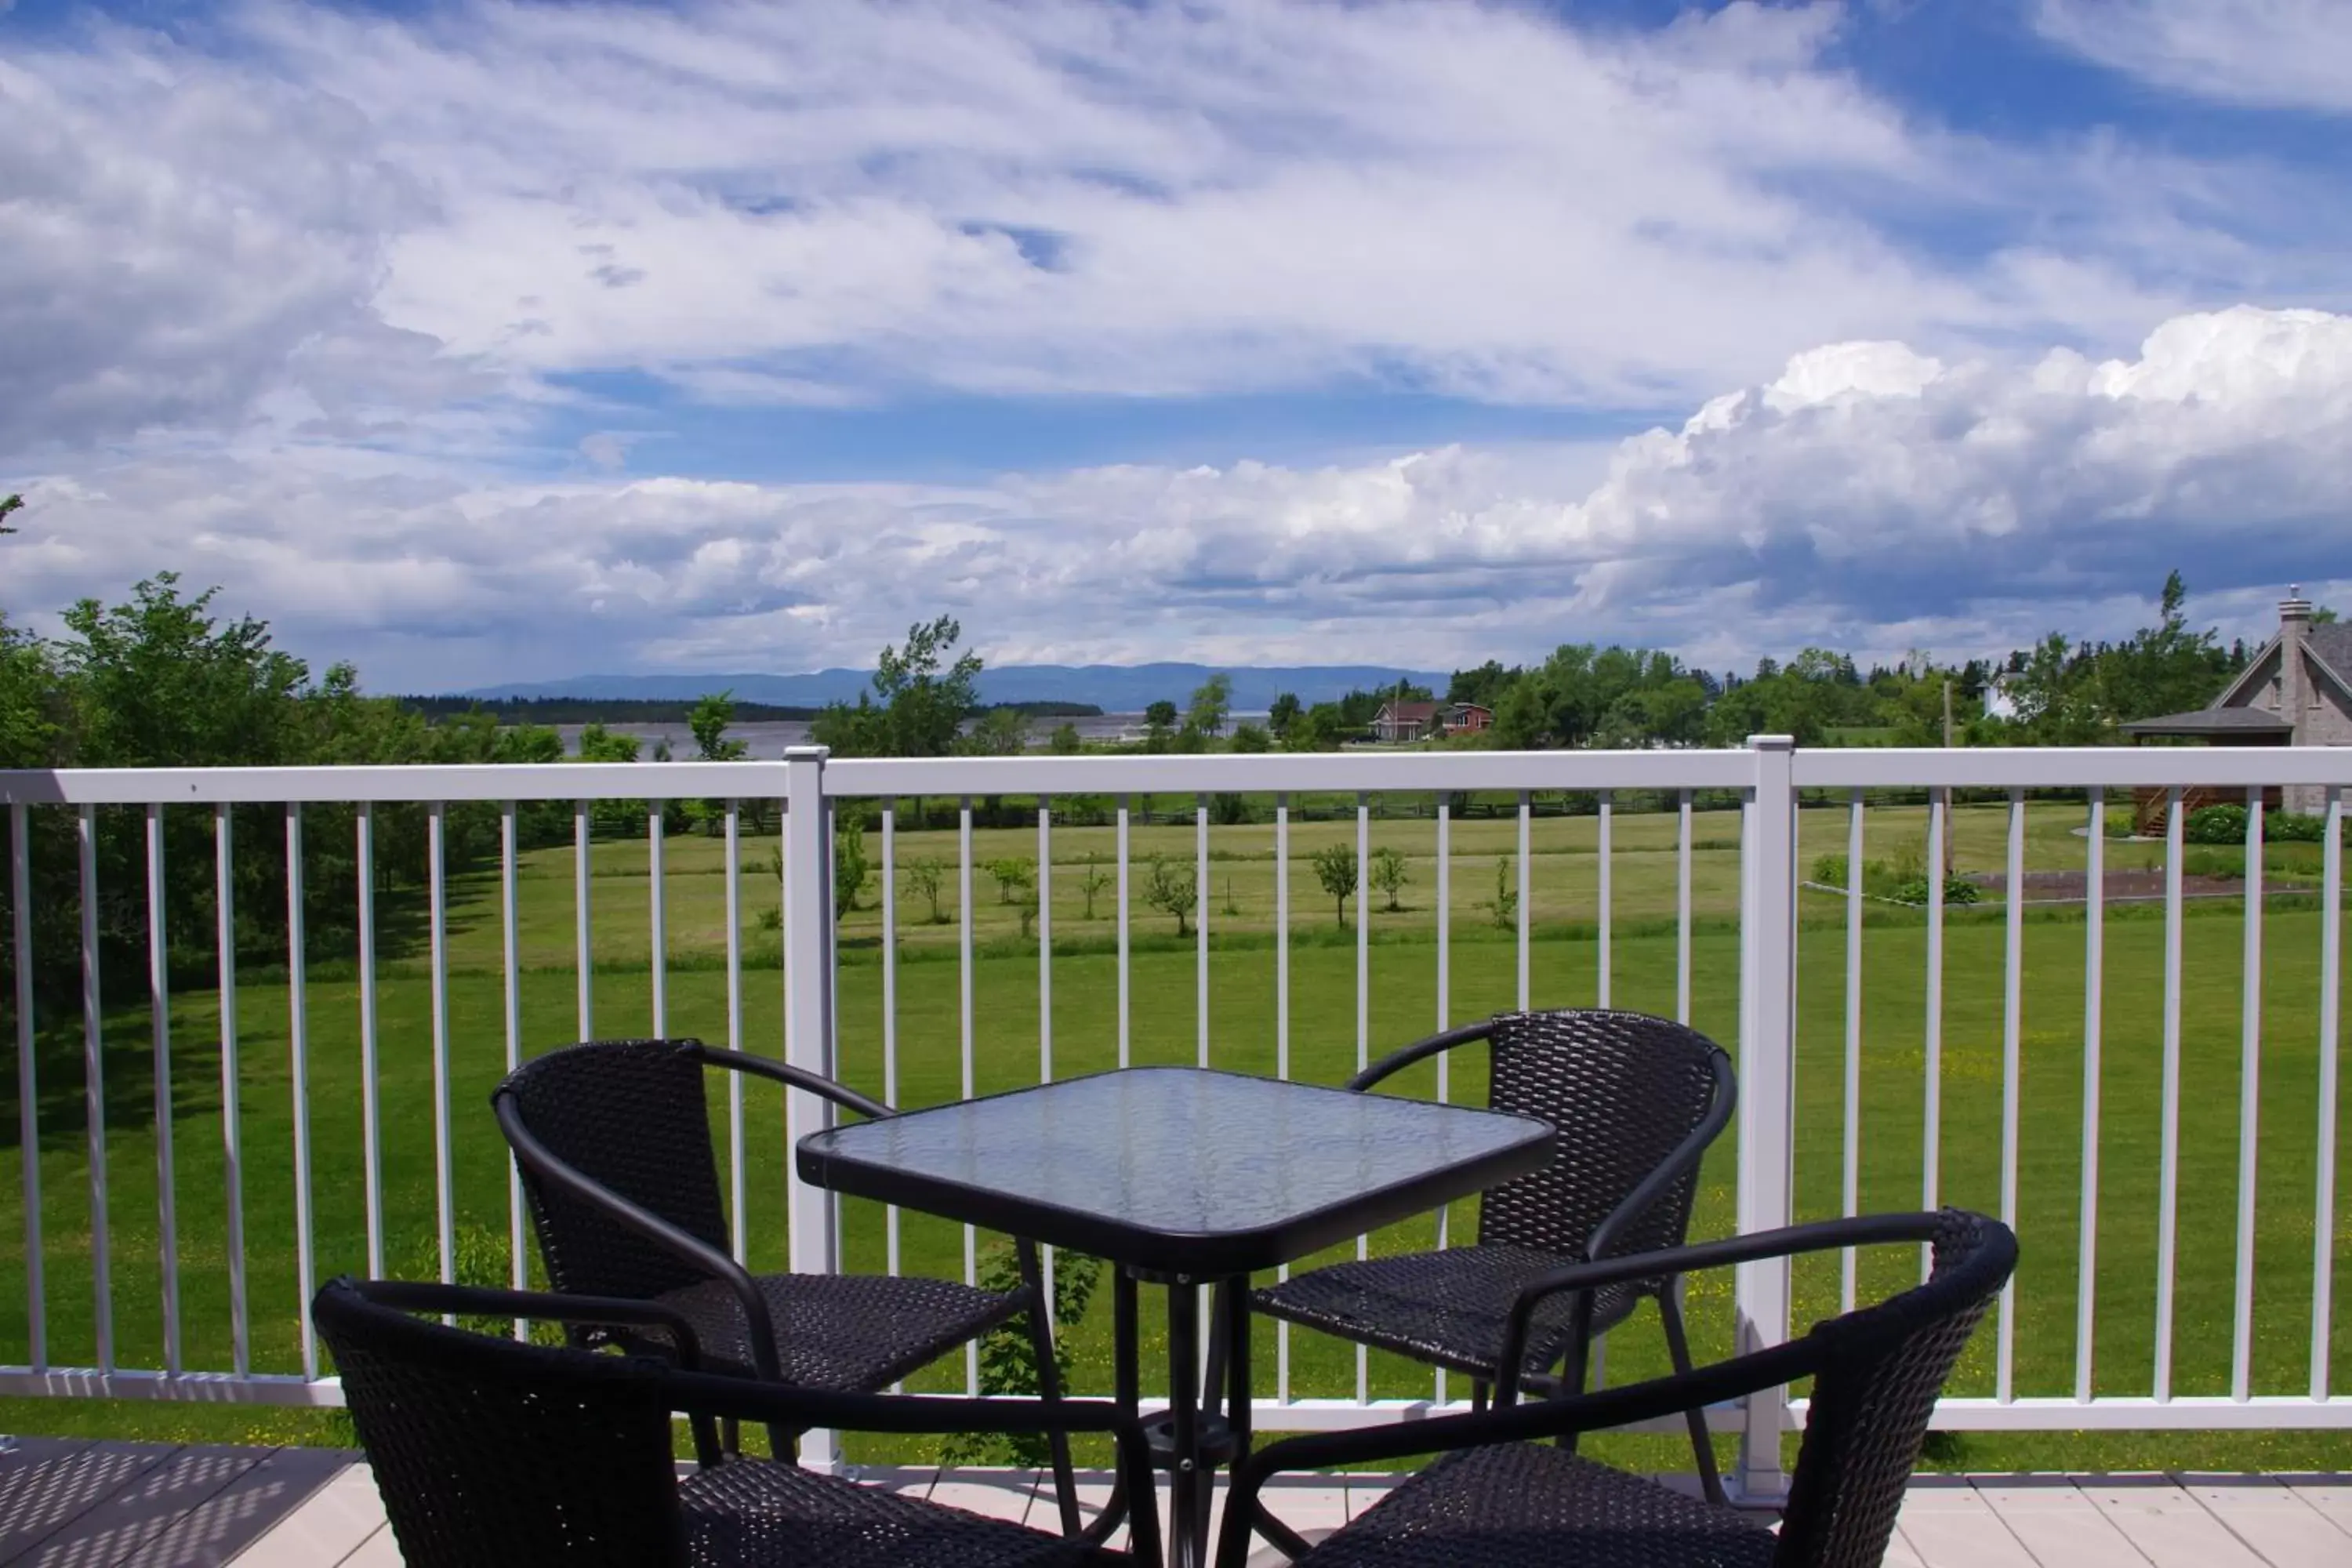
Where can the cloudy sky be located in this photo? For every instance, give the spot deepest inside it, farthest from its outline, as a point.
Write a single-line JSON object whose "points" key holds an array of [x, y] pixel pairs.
{"points": [[484, 341]]}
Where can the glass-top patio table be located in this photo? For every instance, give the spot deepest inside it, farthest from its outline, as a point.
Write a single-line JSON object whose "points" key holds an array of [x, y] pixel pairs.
{"points": [[1184, 1177]]}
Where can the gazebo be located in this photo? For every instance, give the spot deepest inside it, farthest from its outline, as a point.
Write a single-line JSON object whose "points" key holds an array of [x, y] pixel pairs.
{"points": [[2213, 726]]}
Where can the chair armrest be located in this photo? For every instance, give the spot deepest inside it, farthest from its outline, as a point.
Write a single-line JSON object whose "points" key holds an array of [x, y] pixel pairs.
{"points": [[542, 1164], [841, 1094], [1740, 1375], [1398, 1061], [488, 1301], [1683, 1160]]}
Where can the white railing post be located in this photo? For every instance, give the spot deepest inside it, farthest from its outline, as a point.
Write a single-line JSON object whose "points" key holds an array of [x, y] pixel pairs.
{"points": [[808, 1025], [1768, 976]]}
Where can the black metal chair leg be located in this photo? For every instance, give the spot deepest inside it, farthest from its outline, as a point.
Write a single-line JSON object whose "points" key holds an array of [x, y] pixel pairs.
{"points": [[1049, 1382], [1669, 1312]]}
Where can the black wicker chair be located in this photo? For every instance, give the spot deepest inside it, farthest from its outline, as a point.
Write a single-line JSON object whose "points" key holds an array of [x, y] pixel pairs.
{"points": [[613, 1139], [1636, 1101], [494, 1454], [1498, 1499]]}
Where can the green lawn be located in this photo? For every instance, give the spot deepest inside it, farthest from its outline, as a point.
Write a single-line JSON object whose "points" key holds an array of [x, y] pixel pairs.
{"points": [[1163, 1022]]}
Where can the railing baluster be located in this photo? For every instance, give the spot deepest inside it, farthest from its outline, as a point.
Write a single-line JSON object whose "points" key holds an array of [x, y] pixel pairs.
{"points": [[298, 1067], [1363, 1018], [1932, 1118], [2250, 1080], [736, 1185], [371, 1106], [511, 989], [445, 1199], [1282, 1037], [1683, 908], [1850, 1187], [1601, 900], [2169, 1151], [1046, 986], [582, 937], [890, 1002], [658, 898], [1125, 985], [1201, 922], [94, 1056], [2012, 1025], [232, 1133], [1526, 902], [963, 982], [28, 1104], [2331, 993], [2095, 911], [158, 1004], [1444, 995]]}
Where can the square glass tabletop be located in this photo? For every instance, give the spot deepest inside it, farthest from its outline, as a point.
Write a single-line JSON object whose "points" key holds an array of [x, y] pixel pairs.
{"points": [[1179, 1170]]}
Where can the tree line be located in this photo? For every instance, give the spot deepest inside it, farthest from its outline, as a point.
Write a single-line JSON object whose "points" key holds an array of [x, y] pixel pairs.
{"points": [[163, 679]]}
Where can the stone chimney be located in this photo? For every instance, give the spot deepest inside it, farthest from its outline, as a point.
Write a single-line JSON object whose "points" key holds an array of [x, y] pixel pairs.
{"points": [[2294, 626]]}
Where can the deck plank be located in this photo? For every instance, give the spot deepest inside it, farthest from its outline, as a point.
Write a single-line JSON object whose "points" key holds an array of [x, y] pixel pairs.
{"points": [[2171, 1528], [116, 1529], [1946, 1524], [48, 1484], [2057, 1524], [2280, 1527], [330, 1524], [219, 1529]]}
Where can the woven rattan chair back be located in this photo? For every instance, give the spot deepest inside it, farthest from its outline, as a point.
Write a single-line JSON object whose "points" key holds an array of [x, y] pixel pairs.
{"points": [[491, 1454], [631, 1116], [1624, 1090], [1874, 1396]]}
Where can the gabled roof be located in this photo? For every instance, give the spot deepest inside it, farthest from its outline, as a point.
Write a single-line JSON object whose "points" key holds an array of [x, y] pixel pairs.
{"points": [[2330, 646], [1408, 712], [2212, 721]]}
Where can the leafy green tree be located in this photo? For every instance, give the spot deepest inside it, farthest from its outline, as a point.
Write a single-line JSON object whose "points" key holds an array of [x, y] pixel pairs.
{"points": [[1012, 876], [2321, 615], [1159, 725], [1249, 739], [1210, 702], [1389, 873], [1066, 741], [850, 867], [1093, 880], [925, 875], [1000, 732], [1483, 685], [7, 505], [1334, 867], [709, 720], [1283, 713], [1008, 1357], [926, 689], [1172, 888]]}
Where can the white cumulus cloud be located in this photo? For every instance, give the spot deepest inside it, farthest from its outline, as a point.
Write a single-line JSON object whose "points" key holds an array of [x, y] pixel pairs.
{"points": [[1867, 497]]}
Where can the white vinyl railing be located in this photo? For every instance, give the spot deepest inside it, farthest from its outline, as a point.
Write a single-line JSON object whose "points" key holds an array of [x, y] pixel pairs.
{"points": [[2269, 1382]]}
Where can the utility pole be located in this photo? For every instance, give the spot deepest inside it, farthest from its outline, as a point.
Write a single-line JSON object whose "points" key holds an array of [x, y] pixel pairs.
{"points": [[1949, 848]]}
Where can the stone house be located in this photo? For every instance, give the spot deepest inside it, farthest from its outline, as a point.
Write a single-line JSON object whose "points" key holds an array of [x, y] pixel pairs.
{"points": [[2296, 690]]}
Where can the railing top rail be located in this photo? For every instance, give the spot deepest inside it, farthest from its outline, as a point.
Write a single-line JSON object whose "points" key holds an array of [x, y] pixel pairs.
{"points": [[2067, 767], [1371, 772], [424, 782], [1296, 773]]}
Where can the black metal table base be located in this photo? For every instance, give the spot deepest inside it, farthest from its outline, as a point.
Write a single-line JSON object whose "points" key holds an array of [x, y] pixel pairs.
{"points": [[1198, 1432]]}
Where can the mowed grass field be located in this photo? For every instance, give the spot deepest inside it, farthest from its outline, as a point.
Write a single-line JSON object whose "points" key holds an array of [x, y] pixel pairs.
{"points": [[1481, 974]]}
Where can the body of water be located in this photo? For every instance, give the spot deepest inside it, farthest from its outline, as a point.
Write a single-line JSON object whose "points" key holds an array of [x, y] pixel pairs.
{"points": [[769, 738]]}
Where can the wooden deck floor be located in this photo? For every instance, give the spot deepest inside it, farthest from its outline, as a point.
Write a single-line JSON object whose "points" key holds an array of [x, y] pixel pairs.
{"points": [[72, 1504]]}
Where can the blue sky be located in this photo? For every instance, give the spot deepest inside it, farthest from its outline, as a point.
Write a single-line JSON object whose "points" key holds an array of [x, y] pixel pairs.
{"points": [[479, 342]]}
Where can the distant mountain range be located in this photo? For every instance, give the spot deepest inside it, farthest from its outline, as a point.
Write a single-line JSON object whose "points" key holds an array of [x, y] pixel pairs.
{"points": [[1114, 688]]}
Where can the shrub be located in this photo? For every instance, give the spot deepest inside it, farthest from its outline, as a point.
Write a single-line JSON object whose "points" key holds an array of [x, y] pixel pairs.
{"points": [[1829, 871], [1956, 891], [1389, 873], [2217, 825], [2293, 827], [1008, 1362], [1505, 905]]}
